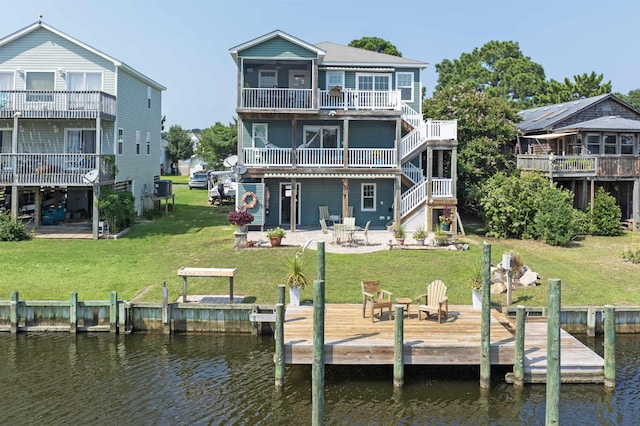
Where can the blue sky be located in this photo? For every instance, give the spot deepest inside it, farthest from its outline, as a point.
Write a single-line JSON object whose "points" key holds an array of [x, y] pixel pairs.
{"points": [[184, 44]]}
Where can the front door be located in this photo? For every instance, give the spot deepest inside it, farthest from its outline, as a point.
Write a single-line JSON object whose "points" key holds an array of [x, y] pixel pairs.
{"points": [[285, 203], [299, 98]]}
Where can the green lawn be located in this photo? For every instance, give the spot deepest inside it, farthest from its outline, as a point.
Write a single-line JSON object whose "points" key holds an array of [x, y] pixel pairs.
{"points": [[592, 271]]}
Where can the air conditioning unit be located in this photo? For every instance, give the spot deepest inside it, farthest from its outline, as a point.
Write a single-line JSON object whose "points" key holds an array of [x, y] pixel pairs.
{"points": [[164, 188]]}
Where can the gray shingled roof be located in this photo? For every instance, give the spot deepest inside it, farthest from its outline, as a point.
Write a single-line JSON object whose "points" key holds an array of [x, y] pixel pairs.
{"points": [[544, 118], [609, 123], [337, 54]]}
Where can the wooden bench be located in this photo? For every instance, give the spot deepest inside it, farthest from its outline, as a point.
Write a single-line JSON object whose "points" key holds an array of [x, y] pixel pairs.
{"points": [[206, 272]]}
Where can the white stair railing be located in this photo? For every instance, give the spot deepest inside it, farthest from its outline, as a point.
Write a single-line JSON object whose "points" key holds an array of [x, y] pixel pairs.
{"points": [[413, 197], [410, 115], [412, 172], [412, 141]]}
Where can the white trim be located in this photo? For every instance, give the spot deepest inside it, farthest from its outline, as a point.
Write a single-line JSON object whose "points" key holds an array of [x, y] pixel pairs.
{"points": [[399, 88], [298, 204], [319, 129], [253, 134], [273, 34], [362, 197], [330, 85], [374, 75]]}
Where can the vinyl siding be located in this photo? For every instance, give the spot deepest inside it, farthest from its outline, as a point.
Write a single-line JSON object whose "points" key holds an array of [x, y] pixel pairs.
{"points": [[42, 50], [372, 134], [133, 115], [277, 47], [279, 133], [328, 192]]}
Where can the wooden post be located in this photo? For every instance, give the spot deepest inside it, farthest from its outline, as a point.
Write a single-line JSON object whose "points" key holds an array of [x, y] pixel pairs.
{"points": [[398, 360], [184, 289], [15, 299], [281, 294], [553, 353], [518, 366], [509, 290], [113, 312], [591, 321], [166, 328], [73, 312], [485, 338], [609, 346], [279, 357], [317, 369], [321, 260]]}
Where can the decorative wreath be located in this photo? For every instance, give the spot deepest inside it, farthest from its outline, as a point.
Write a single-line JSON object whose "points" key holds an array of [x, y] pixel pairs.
{"points": [[252, 204]]}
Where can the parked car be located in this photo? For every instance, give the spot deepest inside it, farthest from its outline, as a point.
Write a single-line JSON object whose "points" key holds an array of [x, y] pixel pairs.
{"points": [[198, 180]]}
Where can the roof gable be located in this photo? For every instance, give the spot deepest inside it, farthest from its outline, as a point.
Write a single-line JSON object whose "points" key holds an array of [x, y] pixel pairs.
{"points": [[296, 44], [119, 64]]}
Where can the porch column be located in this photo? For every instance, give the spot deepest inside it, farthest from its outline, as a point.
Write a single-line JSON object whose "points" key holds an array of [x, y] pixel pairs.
{"points": [[454, 172], [314, 83], [429, 178], [397, 200], [345, 197], [293, 217], [37, 213], [636, 204], [294, 150], [14, 168], [345, 144], [593, 193], [96, 185], [398, 144]]}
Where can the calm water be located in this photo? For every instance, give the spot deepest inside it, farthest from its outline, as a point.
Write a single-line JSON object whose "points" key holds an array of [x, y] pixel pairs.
{"points": [[215, 379]]}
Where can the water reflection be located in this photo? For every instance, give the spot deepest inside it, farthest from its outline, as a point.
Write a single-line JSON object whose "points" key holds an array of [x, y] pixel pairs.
{"points": [[217, 379]]}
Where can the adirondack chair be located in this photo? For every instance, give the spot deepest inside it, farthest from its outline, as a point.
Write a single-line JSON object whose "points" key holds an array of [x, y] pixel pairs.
{"points": [[324, 213], [435, 300], [375, 298], [366, 233], [323, 226]]}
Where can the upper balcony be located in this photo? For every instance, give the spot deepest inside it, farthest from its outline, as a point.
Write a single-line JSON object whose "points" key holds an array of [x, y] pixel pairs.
{"points": [[57, 104], [321, 157], [280, 99], [560, 166], [55, 169]]}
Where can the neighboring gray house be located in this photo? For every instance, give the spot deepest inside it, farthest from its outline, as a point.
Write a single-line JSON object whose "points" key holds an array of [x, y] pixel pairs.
{"points": [[68, 114], [585, 144], [342, 127]]}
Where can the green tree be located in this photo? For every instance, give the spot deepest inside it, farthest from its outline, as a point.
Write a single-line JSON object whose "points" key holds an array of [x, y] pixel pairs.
{"points": [[499, 69], [632, 97], [486, 134], [583, 86], [606, 214], [376, 44], [218, 142], [180, 146]]}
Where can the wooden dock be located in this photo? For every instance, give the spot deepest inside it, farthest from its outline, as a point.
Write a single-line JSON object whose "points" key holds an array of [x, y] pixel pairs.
{"points": [[351, 339]]}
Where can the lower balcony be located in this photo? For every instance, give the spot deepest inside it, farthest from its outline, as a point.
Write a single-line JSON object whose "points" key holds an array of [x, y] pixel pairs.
{"points": [[321, 157], [56, 169]]}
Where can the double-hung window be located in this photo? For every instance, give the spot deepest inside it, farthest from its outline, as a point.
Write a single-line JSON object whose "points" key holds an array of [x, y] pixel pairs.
{"points": [[148, 143], [626, 144], [368, 197], [593, 143], [610, 145], [120, 141], [404, 83], [138, 137], [335, 79]]}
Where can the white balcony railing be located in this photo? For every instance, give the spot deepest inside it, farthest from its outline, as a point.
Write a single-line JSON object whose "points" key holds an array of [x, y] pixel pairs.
{"points": [[360, 99], [276, 98], [57, 104], [320, 157], [412, 172], [417, 194], [52, 169]]}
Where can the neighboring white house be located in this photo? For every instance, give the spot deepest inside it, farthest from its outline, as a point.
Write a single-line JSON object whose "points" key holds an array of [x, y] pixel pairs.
{"points": [[68, 113]]}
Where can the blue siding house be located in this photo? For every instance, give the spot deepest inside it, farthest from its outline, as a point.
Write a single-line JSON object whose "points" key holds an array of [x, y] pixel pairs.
{"points": [[337, 126], [68, 114]]}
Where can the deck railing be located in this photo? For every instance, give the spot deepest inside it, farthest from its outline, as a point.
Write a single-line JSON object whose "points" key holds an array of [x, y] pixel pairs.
{"points": [[559, 165], [57, 104], [320, 157], [360, 99], [276, 98], [54, 169], [417, 194]]}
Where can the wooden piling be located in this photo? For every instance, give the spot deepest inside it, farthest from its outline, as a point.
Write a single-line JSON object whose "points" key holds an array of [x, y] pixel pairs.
{"points": [[166, 328], [13, 311], [518, 366], [279, 337], [321, 260], [485, 335], [398, 360], [73, 313], [281, 294], [591, 321], [609, 346], [317, 369], [553, 353], [113, 312]]}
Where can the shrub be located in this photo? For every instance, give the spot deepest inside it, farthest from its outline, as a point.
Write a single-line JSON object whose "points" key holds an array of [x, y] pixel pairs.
{"points": [[118, 208], [606, 214], [582, 221], [554, 218], [632, 255], [12, 230]]}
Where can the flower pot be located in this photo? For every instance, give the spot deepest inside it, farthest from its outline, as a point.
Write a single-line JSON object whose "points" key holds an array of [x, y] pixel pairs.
{"points": [[242, 228], [420, 241], [275, 241], [400, 241], [446, 227], [476, 299], [294, 297]]}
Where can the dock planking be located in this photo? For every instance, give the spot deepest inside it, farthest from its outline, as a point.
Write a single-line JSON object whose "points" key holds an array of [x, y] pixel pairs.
{"points": [[353, 340]]}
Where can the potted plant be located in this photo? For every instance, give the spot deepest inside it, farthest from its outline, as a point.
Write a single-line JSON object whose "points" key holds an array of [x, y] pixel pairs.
{"points": [[335, 91], [295, 279], [241, 219], [440, 236], [275, 236], [399, 234], [419, 235], [475, 284], [445, 219]]}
